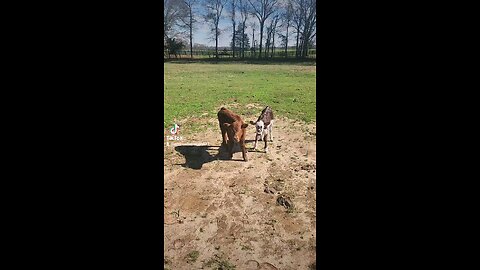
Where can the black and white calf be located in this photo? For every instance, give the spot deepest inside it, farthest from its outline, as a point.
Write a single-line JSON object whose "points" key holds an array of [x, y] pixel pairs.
{"points": [[263, 127]]}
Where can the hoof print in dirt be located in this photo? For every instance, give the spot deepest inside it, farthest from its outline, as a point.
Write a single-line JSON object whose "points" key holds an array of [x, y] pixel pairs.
{"points": [[285, 202], [268, 190], [271, 188], [177, 244], [252, 264], [267, 266]]}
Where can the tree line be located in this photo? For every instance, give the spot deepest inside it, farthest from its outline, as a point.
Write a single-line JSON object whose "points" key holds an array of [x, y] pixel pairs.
{"points": [[271, 18]]}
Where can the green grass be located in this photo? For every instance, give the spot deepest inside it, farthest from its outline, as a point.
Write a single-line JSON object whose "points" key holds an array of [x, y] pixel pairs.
{"points": [[193, 89], [218, 262], [192, 256]]}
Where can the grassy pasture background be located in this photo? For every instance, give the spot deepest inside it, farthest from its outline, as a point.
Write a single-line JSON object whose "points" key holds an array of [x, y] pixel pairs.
{"points": [[197, 90]]}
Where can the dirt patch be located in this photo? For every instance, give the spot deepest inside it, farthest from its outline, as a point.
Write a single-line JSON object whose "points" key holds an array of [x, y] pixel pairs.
{"points": [[233, 214]]}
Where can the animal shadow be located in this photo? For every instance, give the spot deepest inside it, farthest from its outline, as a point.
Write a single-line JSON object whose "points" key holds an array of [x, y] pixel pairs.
{"points": [[196, 156]]}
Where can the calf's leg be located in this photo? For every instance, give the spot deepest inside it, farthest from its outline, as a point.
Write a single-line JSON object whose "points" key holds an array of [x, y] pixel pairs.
{"points": [[224, 134], [244, 151], [270, 131], [230, 146], [266, 146]]}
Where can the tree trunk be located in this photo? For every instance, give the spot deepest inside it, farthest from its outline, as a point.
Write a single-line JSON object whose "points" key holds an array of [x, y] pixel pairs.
{"points": [[267, 43], [261, 37], [274, 30], [300, 52], [273, 40], [253, 42], [233, 40], [216, 42], [305, 47], [191, 34], [243, 40], [286, 41], [296, 45], [306, 34], [304, 40], [273, 47]]}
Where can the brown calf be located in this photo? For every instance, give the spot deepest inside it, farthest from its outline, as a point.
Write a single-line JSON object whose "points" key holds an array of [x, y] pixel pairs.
{"points": [[233, 131]]}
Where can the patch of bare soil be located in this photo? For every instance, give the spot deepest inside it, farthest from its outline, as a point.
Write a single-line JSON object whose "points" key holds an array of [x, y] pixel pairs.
{"points": [[231, 214]]}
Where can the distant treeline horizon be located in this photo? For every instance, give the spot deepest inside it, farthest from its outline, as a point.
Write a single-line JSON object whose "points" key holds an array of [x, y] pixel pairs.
{"points": [[264, 23]]}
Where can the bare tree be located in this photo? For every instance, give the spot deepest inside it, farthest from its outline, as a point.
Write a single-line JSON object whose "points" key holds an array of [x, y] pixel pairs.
{"points": [[243, 6], [286, 21], [262, 9], [271, 30], [189, 20], [252, 50], [304, 21], [274, 29], [233, 7], [241, 41], [297, 21], [213, 16], [268, 40], [309, 26], [173, 12]]}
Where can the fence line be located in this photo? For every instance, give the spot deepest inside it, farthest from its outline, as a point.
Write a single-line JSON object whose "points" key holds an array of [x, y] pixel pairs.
{"points": [[278, 53]]}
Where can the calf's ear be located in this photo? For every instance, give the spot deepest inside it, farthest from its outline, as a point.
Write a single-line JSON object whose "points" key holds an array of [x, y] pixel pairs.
{"points": [[251, 122], [244, 125], [226, 125]]}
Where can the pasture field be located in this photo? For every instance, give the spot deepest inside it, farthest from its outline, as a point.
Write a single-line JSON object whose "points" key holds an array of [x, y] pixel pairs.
{"points": [[222, 213], [198, 90]]}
